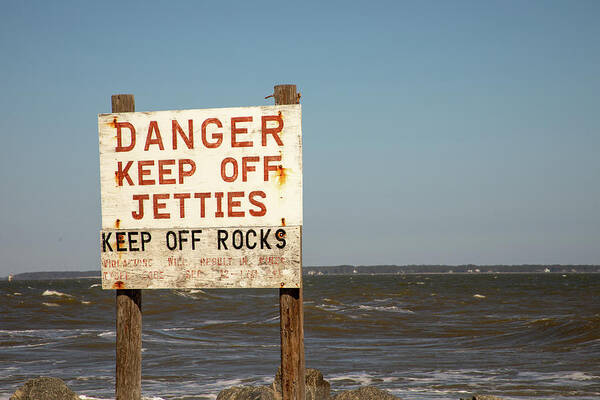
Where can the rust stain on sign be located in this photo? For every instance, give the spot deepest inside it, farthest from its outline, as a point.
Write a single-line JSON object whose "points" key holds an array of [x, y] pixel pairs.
{"points": [[118, 223], [113, 123], [281, 124], [118, 285], [282, 221], [281, 175]]}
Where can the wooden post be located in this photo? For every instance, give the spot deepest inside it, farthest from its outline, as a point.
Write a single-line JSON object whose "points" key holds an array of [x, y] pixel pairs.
{"points": [[129, 315], [291, 309]]}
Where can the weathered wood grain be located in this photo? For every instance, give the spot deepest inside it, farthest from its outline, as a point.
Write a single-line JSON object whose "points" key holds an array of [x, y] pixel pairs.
{"points": [[291, 305], [128, 383], [129, 345]]}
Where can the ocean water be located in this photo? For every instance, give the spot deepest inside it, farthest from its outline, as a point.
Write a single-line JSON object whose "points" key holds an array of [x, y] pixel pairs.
{"points": [[518, 336]]}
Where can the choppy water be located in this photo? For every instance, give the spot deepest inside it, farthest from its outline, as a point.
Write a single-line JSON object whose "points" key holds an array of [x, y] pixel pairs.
{"points": [[519, 336]]}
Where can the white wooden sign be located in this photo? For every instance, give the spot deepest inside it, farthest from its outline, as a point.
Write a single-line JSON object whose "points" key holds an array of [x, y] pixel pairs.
{"points": [[203, 257], [201, 173]]}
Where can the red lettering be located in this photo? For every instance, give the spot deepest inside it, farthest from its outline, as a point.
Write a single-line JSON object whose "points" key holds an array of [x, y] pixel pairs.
{"points": [[120, 147], [237, 131], [224, 163], [123, 173], [181, 197], [246, 167], [202, 197], [219, 212], [157, 206], [269, 167], [218, 136], [153, 127], [189, 139], [183, 172], [262, 209], [140, 198], [162, 171], [271, 131], [142, 172], [231, 203]]}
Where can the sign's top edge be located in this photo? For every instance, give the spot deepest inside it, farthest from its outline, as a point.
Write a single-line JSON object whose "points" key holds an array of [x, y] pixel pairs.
{"points": [[220, 109], [200, 227]]}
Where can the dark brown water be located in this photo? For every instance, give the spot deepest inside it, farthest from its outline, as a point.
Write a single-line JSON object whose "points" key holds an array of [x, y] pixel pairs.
{"points": [[519, 336]]}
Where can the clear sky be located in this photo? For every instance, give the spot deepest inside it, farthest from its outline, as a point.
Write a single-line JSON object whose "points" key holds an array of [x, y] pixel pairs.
{"points": [[444, 132]]}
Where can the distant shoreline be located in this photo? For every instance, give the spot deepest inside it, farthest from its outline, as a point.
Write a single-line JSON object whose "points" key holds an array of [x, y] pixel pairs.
{"points": [[363, 270]]}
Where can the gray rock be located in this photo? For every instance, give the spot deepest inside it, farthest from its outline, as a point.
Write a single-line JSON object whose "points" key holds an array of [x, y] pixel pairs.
{"points": [[482, 397], [315, 387], [247, 393], [44, 388], [365, 393]]}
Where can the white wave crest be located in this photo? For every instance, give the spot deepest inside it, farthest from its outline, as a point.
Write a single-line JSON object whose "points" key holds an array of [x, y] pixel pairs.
{"points": [[55, 293], [177, 329], [580, 376], [387, 308], [328, 307], [84, 397], [21, 346], [51, 304], [362, 378]]}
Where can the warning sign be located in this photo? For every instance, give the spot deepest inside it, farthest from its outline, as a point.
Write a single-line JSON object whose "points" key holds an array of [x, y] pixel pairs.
{"points": [[201, 198]]}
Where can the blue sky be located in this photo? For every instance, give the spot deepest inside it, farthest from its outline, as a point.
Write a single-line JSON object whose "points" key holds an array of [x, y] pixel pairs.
{"points": [[434, 131]]}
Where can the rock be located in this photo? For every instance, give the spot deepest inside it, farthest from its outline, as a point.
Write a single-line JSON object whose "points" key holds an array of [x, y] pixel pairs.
{"points": [[247, 393], [44, 388], [315, 387], [482, 397], [365, 393]]}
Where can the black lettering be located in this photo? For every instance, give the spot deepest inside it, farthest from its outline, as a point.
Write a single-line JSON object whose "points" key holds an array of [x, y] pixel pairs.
{"points": [[194, 239], [174, 246], [280, 236], [221, 239], [105, 243], [120, 239], [146, 237], [248, 240], [132, 241], [241, 239], [263, 239], [182, 239]]}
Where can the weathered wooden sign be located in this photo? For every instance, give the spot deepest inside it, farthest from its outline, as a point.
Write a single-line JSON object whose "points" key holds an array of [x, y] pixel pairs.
{"points": [[201, 198]]}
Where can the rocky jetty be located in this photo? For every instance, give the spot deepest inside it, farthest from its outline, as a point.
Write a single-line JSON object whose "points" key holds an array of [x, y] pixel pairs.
{"points": [[365, 393], [248, 393], [44, 388], [316, 388]]}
